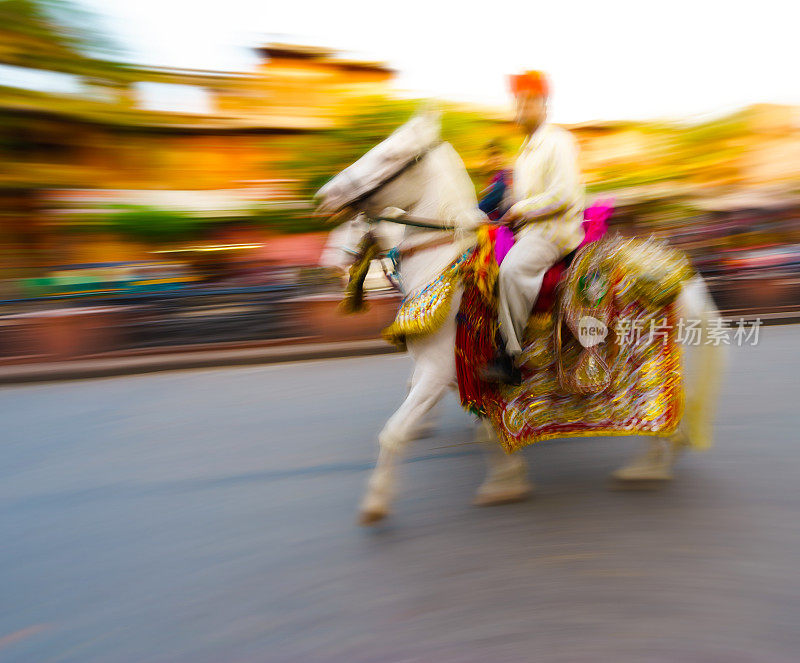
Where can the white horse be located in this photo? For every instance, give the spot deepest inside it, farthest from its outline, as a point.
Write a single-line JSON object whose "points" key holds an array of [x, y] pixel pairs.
{"points": [[414, 172]]}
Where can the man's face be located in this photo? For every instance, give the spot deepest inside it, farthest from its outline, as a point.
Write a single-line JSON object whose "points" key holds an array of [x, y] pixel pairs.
{"points": [[531, 110], [494, 161]]}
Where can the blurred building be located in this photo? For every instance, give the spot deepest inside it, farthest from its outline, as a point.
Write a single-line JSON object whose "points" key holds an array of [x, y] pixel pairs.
{"points": [[114, 143], [105, 143], [756, 148], [306, 85]]}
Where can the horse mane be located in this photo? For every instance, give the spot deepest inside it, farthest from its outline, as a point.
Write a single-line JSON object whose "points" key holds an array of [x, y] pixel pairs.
{"points": [[458, 204]]}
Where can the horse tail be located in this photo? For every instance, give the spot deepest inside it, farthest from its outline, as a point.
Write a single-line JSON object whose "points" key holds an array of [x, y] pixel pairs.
{"points": [[708, 364]]}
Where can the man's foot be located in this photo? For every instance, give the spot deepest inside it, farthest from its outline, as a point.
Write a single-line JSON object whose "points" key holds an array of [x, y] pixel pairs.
{"points": [[501, 369]]}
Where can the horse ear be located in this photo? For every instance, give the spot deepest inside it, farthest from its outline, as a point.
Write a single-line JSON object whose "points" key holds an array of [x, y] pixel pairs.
{"points": [[416, 136], [427, 123], [430, 110]]}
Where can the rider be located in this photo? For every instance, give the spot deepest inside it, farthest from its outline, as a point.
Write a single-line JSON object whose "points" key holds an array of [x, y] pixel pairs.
{"points": [[546, 217]]}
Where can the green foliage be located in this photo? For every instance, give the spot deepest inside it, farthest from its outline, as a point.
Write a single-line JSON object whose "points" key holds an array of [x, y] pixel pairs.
{"points": [[314, 159], [713, 132], [57, 35], [467, 131], [153, 225], [287, 220]]}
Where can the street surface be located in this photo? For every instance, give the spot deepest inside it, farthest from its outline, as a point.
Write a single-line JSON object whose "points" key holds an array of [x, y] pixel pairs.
{"points": [[209, 516]]}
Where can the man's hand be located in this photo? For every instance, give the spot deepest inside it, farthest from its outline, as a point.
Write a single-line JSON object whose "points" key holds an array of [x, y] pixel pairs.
{"points": [[392, 213], [511, 217]]}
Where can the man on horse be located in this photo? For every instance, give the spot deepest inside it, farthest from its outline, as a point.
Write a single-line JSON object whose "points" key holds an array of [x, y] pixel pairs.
{"points": [[546, 216]]}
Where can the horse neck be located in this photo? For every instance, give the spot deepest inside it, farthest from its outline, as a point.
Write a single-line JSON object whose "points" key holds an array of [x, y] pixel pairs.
{"points": [[420, 268], [444, 198]]}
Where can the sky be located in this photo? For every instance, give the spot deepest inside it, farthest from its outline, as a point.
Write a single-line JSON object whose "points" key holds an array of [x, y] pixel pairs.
{"points": [[607, 60]]}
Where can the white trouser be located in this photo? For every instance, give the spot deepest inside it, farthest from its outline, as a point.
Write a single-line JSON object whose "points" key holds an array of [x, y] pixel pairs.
{"points": [[520, 280]]}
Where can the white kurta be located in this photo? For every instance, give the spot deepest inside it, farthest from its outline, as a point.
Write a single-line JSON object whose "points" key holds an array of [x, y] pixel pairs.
{"points": [[549, 196]]}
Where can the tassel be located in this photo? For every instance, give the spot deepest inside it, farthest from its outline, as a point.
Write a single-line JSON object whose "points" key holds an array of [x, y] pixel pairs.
{"points": [[353, 301], [477, 324]]}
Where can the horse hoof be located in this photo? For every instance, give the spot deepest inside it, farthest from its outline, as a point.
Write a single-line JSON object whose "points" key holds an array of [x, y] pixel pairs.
{"points": [[369, 517], [660, 472], [638, 485], [505, 496], [622, 480], [424, 432]]}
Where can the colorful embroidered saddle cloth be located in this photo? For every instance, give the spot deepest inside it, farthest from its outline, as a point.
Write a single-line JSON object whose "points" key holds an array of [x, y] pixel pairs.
{"points": [[603, 361]]}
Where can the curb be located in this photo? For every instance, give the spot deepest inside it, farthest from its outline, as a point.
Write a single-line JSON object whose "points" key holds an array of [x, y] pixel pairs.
{"points": [[99, 368]]}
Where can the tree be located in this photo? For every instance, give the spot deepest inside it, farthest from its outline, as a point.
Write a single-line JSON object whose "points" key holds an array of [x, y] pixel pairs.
{"points": [[56, 35]]}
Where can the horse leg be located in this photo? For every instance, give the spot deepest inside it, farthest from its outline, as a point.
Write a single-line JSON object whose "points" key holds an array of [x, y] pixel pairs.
{"points": [[506, 478], [654, 464], [701, 382], [398, 431], [427, 424]]}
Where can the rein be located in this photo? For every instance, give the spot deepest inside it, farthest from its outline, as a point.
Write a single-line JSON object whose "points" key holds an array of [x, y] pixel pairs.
{"points": [[430, 244], [413, 222]]}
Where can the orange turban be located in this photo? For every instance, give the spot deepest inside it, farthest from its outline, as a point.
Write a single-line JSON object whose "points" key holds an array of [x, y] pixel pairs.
{"points": [[534, 82]]}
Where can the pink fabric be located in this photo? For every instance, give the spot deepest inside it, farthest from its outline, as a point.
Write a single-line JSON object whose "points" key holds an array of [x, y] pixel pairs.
{"points": [[503, 243], [594, 220]]}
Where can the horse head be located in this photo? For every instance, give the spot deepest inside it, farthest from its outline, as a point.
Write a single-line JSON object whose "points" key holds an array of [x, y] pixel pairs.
{"points": [[413, 173], [383, 176]]}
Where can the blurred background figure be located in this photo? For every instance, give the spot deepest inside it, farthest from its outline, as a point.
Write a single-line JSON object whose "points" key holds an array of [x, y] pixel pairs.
{"points": [[499, 179]]}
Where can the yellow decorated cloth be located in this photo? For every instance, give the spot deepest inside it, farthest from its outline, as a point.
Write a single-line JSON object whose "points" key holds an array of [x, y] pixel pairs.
{"points": [[425, 311]]}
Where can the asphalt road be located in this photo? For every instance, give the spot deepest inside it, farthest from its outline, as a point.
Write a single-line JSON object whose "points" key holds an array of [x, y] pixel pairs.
{"points": [[209, 517]]}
